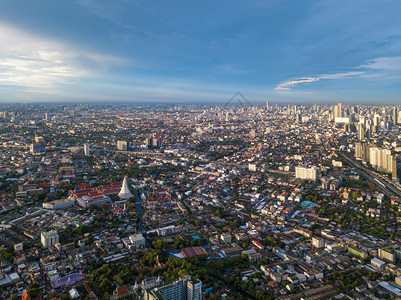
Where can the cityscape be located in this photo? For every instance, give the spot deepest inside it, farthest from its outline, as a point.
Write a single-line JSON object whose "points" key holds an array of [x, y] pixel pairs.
{"points": [[188, 150], [200, 201]]}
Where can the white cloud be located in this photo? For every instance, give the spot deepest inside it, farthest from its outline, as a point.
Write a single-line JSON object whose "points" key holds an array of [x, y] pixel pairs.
{"points": [[383, 63], [374, 69], [36, 63]]}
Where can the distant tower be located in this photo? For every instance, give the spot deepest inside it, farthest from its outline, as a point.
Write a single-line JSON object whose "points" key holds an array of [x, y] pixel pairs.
{"points": [[338, 111], [267, 104], [86, 150], [125, 193]]}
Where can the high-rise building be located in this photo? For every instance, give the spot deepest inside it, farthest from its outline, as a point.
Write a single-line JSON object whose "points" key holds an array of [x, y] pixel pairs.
{"points": [[49, 238], [183, 288], [382, 160], [338, 111], [267, 104], [153, 142], [122, 146], [395, 115], [86, 150], [361, 132]]}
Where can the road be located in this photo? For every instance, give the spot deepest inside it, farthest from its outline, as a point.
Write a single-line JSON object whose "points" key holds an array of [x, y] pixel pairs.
{"points": [[384, 184], [139, 209]]}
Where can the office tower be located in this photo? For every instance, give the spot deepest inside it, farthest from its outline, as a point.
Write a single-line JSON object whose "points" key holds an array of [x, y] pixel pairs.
{"points": [[86, 150], [183, 288], [394, 168], [361, 132], [376, 120], [46, 117], [267, 104], [122, 146], [125, 193], [395, 115], [337, 111], [49, 238]]}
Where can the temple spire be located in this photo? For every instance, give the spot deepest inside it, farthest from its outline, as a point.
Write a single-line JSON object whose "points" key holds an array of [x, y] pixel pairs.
{"points": [[125, 193]]}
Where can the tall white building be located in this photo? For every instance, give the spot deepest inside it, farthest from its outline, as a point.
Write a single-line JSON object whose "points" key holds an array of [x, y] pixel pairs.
{"points": [[338, 111], [307, 173], [49, 238], [382, 160], [86, 150], [361, 132]]}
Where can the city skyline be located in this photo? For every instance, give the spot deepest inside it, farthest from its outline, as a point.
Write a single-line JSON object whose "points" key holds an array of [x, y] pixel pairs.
{"points": [[178, 52]]}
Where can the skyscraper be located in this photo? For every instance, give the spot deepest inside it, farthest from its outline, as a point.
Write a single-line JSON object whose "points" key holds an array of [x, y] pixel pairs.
{"points": [[267, 104], [361, 132], [337, 111], [86, 150]]}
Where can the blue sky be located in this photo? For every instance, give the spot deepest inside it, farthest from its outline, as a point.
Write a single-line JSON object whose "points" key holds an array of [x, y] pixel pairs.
{"points": [[200, 51]]}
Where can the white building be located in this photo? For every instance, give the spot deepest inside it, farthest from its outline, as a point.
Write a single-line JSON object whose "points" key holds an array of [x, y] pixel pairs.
{"points": [[307, 173], [49, 238], [86, 150], [184, 288], [122, 146], [59, 204], [137, 240], [318, 242]]}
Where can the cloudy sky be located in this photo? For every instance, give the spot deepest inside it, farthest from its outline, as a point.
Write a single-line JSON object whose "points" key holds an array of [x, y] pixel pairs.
{"points": [[200, 51]]}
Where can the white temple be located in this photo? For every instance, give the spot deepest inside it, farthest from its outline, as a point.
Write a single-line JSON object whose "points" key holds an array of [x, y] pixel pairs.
{"points": [[125, 193]]}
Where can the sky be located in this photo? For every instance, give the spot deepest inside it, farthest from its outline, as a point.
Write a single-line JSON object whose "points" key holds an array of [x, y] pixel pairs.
{"points": [[174, 51]]}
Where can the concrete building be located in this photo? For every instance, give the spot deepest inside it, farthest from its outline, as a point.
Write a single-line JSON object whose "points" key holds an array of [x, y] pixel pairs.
{"points": [[184, 288], [382, 160], [226, 238], [122, 146], [307, 173], [86, 150], [378, 263], [37, 148], [49, 238], [59, 204], [338, 111], [317, 242], [137, 240], [390, 254]]}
